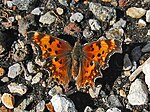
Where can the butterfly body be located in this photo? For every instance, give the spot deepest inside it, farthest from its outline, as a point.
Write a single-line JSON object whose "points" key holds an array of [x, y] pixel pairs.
{"points": [[81, 62]]}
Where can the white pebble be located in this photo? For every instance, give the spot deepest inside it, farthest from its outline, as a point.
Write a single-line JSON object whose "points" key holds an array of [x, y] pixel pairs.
{"points": [[114, 109], [37, 78], [62, 104], [17, 88], [60, 11], [9, 4], [76, 17], [94, 24], [40, 106], [138, 93], [37, 11], [141, 23], [148, 16], [14, 70], [146, 71]]}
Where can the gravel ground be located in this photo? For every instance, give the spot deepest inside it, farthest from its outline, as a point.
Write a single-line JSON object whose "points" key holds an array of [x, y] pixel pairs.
{"points": [[25, 84]]}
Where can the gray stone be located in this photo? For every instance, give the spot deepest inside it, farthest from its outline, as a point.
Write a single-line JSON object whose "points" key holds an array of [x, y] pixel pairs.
{"points": [[62, 104], [76, 17], [136, 53], [40, 106], [47, 18], [127, 64], [94, 24], [87, 33], [31, 67], [148, 16], [5, 79], [120, 24], [103, 13], [9, 4], [21, 4], [138, 93], [55, 90], [146, 48], [63, 2], [100, 110], [37, 78], [114, 109], [88, 109], [17, 88], [15, 70], [114, 101], [37, 11], [95, 92]]}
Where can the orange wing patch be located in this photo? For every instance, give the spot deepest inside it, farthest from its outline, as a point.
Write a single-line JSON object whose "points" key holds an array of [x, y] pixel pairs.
{"points": [[57, 51]]}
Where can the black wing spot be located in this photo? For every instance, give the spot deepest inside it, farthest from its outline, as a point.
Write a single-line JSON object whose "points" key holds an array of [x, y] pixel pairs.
{"points": [[99, 45], [45, 46], [51, 40], [93, 56], [49, 49], [98, 54], [103, 52], [61, 62], [56, 59], [92, 49], [91, 63], [58, 45], [87, 65], [56, 52]]}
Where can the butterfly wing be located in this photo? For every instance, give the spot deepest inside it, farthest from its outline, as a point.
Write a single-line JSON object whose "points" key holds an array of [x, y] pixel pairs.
{"points": [[58, 51], [95, 56]]}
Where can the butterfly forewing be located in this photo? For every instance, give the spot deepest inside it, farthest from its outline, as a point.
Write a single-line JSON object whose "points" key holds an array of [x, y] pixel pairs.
{"points": [[58, 51]]}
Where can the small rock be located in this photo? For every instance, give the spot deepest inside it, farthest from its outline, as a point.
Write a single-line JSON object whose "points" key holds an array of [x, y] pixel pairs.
{"points": [[148, 16], [148, 32], [94, 24], [8, 100], [146, 71], [9, 4], [17, 88], [138, 93], [136, 53], [31, 67], [15, 70], [55, 90], [127, 65], [87, 33], [60, 11], [106, 0], [47, 18], [62, 104], [40, 106], [5, 79], [120, 24], [103, 13], [141, 23], [50, 107], [114, 101], [76, 17], [63, 2], [122, 3], [114, 109], [135, 12], [95, 92], [146, 48], [88, 109], [21, 4], [2, 71], [4, 109], [37, 11], [100, 110], [122, 93], [37, 78]]}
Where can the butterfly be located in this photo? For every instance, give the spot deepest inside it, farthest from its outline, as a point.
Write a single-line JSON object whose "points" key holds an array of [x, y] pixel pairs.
{"points": [[83, 63]]}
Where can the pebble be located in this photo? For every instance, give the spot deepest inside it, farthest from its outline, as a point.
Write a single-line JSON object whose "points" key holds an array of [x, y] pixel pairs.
{"points": [[87, 33], [62, 104], [76, 17], [122, 93], [95, 91], [63, 2], [47, 18], [21, 4], [103, 13], [141, 23], [135, 12], [4, 109], [148, 16], [100, 110], [136, 53], [60, 11], [5, 79], [120, 24], [146, 48], [148, 32], [17, 88], [88, 109], [8, 100], [2, 72], [138, 93], [106, 0], [50, 107], [94, 24], [31, 67], [146, 71], [37, 11], [114, 109], [127, 64], [114, 101], [15, 70], [40, 106], [9, 4], [37, 78], [55, 90]]}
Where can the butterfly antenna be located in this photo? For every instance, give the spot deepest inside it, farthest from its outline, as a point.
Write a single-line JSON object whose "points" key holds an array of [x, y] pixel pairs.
{"points": [[78, 36]]}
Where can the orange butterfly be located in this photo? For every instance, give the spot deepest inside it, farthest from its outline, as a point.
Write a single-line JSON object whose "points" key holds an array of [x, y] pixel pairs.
{"points": [[82, 62]]}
